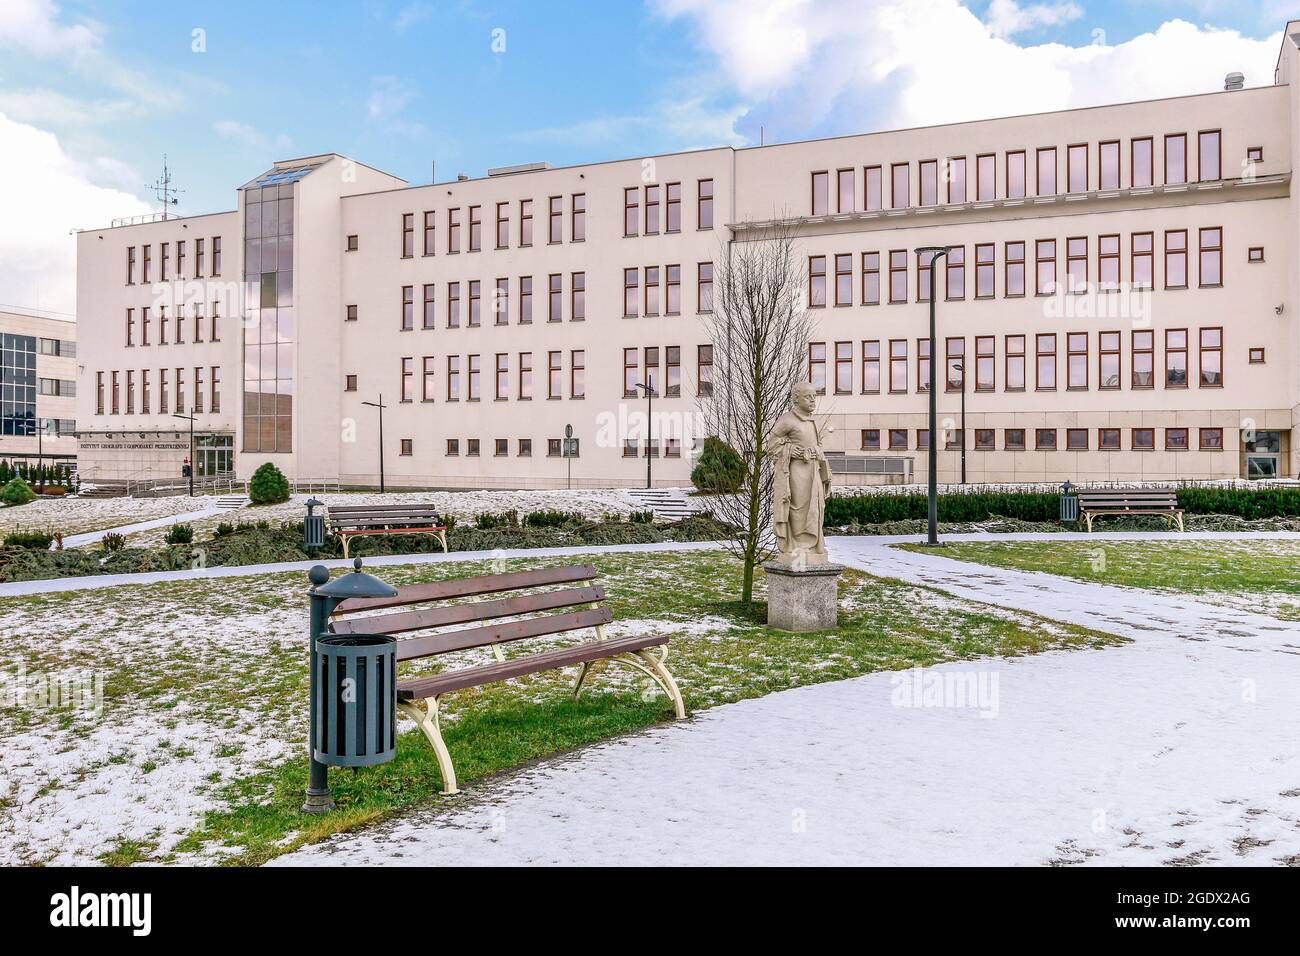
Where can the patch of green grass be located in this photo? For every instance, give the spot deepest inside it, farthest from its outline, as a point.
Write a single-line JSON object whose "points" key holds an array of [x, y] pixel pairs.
{"points": [[1260, 574], [721, 652]]}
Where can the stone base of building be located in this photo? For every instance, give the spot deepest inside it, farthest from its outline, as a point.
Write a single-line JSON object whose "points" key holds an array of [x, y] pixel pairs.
{"points": [[802, 600]]}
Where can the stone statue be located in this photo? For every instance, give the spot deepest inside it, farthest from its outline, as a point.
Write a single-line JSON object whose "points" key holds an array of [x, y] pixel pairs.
{"points": [[802, 481]]}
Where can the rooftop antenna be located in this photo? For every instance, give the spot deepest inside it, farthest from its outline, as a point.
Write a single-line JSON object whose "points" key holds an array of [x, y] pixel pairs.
{"points": [[163, 189]]}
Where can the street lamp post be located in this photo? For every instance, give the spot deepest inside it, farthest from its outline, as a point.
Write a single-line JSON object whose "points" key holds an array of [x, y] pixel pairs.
{"points": [[568, 454], [961, 368], [381, 406], [932, 527], [190, 419], [649, 412]]}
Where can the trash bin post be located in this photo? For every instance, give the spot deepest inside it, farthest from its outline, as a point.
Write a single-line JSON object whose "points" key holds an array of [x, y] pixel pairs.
{"points": [[1069, 503], [313, 527], [325, 595]]}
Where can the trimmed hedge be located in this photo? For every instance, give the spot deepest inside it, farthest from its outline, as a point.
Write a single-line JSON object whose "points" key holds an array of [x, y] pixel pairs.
{"points": [[881, 508]]}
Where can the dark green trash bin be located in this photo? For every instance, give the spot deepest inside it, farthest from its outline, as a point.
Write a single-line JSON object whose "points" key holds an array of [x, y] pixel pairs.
{"points": [[356, 724], [1069, 508]]}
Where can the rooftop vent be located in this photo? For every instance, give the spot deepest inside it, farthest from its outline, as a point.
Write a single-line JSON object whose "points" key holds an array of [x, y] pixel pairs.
{"points": [[513, 170], [1234, 81], [462, 177]]}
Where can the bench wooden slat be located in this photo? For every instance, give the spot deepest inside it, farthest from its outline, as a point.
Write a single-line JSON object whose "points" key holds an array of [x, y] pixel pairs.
{"points": [[384, 524], [390, 515], [469, 587], [424, 687], [430, 644], [402, 621]]}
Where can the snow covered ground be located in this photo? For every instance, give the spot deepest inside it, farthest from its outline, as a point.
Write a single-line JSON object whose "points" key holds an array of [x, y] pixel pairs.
{"points": [[1179, 748], [76, 515]]}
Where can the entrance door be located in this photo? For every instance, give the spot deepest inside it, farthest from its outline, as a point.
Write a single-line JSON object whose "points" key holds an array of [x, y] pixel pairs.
{"points": [[1261, 454], [215, 454]]}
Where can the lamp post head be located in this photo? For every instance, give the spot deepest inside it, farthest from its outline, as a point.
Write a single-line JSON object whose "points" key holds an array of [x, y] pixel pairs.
{"points": [[354, 584]]}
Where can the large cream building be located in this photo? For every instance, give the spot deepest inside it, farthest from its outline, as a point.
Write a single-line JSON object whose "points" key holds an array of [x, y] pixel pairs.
{"points": [[38, 388], [1121, 299]]}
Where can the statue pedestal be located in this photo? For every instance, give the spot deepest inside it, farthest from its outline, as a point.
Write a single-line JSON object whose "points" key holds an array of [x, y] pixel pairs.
{"points": [[803, 599]]}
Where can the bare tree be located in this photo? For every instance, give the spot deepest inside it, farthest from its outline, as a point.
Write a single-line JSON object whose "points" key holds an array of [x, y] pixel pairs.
{"points": [[759, 331]]}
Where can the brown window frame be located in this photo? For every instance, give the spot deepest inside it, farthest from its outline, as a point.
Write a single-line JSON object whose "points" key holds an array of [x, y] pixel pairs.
{"points": [[898, 255], [983, 268], [1187, 438], [700, 204], [894, 359], [1008, 260], [1169, 137], [871, 361], [1102, 353], [1148, 336], [839, 190], [843, 367], [893, 185], [843, 278], [867, 188], [870, 270], [1201, 434], [1218, 158], [1148, 445], [1176, 350], [1008, 165], [1133, 165], [1009, 353], [1104, 433], [1202, 350], [1215, 249], [992, 176], [1176, 252], [1038, 171], [1039, 259], [1070, 152], [1071, 351], [1135, 255], [1039, 354], [1114, 258], [824, 176], [927, 179], [1102, 147]]}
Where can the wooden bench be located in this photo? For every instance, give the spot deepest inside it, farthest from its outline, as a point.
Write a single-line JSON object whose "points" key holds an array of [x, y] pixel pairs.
{"points": [[1098, 502], [580, 608], [347, 521]]}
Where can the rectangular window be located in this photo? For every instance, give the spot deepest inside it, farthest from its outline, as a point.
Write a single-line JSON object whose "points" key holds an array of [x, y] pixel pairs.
{"points": [[630, 377], [1045, 439], [898, 366], [214, 326], [453, 231], [704, 287], [955, 272], [144, 325], [1013, 439], [631, 292], [555, 298], [472, 447], [475, 318], [843, 279], [162, 269], [502, 376], [631, 210], [1045, 352], [929, 182], [871, 278], [147, 264], [180, 391], [897, 276], [1045, 267], [985, 439], [673, 371], [922, 365], [1175, 439], [1076, 172], [955, 364], [130, 265], [503, 225], [1256, 356], [817, 366], [984, 271], [1076, 439], [843, 368], [1014, 266], [453, 447], [351, 244], [475, 228], [453, 378], [1211, 439], [1046, 182], [408, 308], [130, 327], [1108, 439], [898, 439], [1142, 259], [923, 439], [144, 392], [162, 391], [1108, 165], [555, 228], [475, 371], [578, 374], [816, 281], [985, 363], [1108, 360], [200, 258], [198, 391], [198, 323], [578, 297], [957, 179], [844, 191], [651, 300], [430, 238], [406, 447], [1144, 439], [870, 439], [1142, 162], [1175, 358], [871, 189], [986, 179], [704, 369], [1208, 156], [408, 235], [408, 380], [1176, 259], [1076, 264], [525, 223], [900, 186], [180, 259], [1108, 263], [578, 217], [1175, 158], [1016, 177], [1076, 361], [1211, 358], [525, 300], [426, 371], [704, 202], [820, 202], [924, 275], [216, 389], [453, 305], [651, 379], [130, 391], [1211, 257], [673, 290], [871, 367], [1144, 359], [501, 302], [651, 211], [673, 223], [525, 376], [1255, 254]]}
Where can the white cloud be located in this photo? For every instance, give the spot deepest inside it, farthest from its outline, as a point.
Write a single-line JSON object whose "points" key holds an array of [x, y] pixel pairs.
{"points": [[44, 194], [32, 26], [247, 135], [388, 97], [809, 65], [680, 124], [1006, 17], [412, 14]]}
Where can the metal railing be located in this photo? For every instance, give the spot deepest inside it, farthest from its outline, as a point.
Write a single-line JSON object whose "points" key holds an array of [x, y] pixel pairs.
{"points": [[883, 465]]}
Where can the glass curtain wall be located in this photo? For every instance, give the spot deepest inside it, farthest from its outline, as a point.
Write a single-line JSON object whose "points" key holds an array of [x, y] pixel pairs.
{"points": [[268, 318]]}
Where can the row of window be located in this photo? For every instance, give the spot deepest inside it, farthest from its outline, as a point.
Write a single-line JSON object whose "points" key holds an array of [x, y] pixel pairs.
{"points": [[836, 288], [954, 180], [470, 374], [879, 370], [1045, 439], [642, 371], [501, 447], [469, 230], [468, 296], [61, 347], [123, 385], [649, 289], [165, 273], [198, 321], [654, 208]]}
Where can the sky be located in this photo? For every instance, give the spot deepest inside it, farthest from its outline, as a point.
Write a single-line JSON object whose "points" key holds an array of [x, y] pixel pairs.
{"points": [[94, 94]]}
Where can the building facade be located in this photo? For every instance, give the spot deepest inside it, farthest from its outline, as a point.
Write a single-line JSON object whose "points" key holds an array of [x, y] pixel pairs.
{"points": [[1119, 303], [38, 388]]}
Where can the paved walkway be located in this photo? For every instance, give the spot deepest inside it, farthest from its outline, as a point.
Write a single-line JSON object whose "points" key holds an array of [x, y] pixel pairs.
{"points": [[1180, 747], [90, 537]]}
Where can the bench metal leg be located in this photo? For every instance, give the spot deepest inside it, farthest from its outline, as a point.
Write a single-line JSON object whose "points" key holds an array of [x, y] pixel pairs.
{"points": [[428, 722], [1180, 522], [442, 536], [1088, 517], [582, 676], [647, 663], [345, 538]]}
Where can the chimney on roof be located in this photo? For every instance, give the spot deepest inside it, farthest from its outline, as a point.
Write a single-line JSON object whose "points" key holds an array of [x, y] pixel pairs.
{"points": [[1234, 81]]}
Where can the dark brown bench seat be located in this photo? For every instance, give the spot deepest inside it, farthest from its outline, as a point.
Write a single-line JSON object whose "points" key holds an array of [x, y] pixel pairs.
{"points": [[1098, 502], [591, 613], [347, 521]]}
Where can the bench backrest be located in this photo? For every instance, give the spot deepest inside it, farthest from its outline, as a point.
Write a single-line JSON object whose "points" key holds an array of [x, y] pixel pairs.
{"points": [[429, 619], [379, 516], [1128, 498]]}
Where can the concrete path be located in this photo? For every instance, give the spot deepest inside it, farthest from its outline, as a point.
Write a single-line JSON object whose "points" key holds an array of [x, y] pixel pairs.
{"points": [[1180, 747], [91, 537]]}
